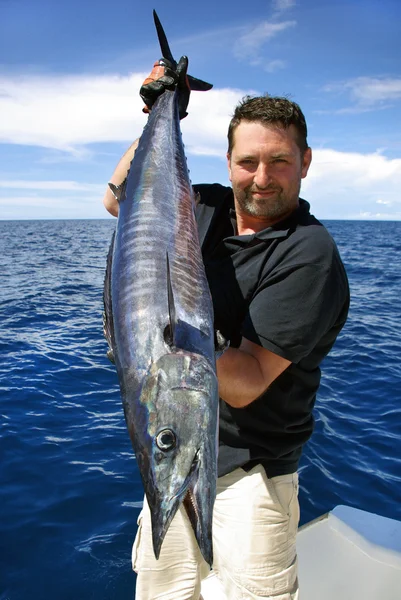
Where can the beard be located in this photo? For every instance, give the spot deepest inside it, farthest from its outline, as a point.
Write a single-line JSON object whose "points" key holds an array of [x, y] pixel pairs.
{"points": [[274, 207]]}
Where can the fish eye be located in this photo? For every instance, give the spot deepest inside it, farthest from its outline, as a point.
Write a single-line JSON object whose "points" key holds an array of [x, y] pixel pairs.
{"points": [[165, 439]]}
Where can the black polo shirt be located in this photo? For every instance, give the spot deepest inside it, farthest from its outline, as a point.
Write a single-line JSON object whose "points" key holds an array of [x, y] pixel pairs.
{"points": [[286, 289]]}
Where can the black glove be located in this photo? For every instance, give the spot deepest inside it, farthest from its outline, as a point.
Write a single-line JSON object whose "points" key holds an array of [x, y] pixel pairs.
{"points": [[165, 77]]}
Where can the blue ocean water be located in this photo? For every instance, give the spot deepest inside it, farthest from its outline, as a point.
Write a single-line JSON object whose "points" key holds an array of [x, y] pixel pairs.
{"points": [[70, 490]]}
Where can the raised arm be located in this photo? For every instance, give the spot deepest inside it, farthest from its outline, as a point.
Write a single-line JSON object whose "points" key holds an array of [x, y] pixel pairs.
{"points": [[120, 172], [163, 76]]}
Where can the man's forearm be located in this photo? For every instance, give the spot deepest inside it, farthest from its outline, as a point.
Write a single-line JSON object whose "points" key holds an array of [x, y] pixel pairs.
{"points": [[120, 173], [240, 378], [246, 372]]}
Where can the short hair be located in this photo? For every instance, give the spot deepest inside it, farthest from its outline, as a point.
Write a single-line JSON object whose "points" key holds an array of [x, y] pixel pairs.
{"points": [[269, 109]]}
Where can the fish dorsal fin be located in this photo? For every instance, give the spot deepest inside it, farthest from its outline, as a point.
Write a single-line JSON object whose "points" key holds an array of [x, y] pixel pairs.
{"points": [[169, 332]]}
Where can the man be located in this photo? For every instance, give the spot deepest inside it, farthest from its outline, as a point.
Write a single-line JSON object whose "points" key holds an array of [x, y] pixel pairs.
{"points": [[281, 297]]}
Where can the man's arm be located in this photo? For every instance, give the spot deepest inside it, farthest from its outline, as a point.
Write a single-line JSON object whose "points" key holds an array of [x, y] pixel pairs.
{"points": [[161, 77], [120, 173], [246, 372]]}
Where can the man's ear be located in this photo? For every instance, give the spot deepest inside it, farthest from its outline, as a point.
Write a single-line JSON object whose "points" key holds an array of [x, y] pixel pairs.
{"points": [[306, 161], [229, 165]]}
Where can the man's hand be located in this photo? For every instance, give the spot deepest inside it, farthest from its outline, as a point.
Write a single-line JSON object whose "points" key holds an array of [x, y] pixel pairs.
{"points": [[161, 78], [164, 76]]}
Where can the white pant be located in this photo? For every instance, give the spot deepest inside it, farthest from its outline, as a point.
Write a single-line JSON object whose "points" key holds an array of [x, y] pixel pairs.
{"points": [[255, 521]]}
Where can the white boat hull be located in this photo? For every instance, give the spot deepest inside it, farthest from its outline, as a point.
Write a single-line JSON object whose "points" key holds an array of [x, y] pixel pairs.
{"points": [[347, 554]]}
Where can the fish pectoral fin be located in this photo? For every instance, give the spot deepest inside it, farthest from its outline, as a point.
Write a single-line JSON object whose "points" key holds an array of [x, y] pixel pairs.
{"points": [[108, 327], [169, 334], [220, 343]]}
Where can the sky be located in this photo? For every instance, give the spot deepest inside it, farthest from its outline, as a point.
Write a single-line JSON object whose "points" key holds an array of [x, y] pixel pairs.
{"points": [[70, 74]]}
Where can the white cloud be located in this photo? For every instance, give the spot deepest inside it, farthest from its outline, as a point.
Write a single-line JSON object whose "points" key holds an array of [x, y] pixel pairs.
{"points": [[369, 90], [340, 185], [40, 206], [283, 5], [249, 44], [367, 93], [67, 113], [50, 199], [353, 185], [205, 132], [51, 185], [271, 66]]}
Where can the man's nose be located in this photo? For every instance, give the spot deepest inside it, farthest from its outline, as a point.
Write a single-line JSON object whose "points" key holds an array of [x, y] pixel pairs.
{"points": [[262, 176]]}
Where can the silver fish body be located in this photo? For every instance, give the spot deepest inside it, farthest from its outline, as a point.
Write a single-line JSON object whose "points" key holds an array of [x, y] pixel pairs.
{"points": [[160, 320]]}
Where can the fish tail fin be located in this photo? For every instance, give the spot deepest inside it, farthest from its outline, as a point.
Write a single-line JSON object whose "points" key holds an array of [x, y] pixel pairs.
{"points": [[193, 82], [198, 85]]}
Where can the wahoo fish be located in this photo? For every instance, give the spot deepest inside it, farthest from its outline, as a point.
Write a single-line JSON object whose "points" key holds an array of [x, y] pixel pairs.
{"points": [[158, 321]]}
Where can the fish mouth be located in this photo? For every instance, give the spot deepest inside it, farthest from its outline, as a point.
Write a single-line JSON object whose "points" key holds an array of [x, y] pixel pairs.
{"points": [[200, 528], [196, 507]]}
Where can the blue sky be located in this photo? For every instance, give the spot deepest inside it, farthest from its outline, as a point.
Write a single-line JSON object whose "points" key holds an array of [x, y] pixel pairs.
{"points": [[69, 105]]}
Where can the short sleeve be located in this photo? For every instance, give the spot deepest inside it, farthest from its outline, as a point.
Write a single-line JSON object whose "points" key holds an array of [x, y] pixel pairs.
{"points": [[300, 299]]}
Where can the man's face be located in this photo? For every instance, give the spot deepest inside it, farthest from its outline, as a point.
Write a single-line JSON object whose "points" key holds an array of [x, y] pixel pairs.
{"points": [[265, 168]]}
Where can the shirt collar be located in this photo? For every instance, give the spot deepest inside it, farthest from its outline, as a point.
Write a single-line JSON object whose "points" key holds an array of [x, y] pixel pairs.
{"points": [[280, 229]]}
